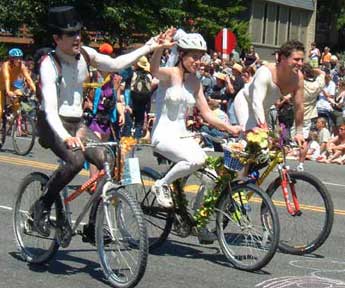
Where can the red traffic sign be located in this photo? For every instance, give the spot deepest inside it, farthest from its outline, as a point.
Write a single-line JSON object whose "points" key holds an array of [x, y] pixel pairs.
{"points": [[225, 47]]}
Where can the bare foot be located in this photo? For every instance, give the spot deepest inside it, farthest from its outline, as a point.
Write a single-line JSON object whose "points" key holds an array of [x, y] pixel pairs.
{"points": [[338, 161], [321, 159]]}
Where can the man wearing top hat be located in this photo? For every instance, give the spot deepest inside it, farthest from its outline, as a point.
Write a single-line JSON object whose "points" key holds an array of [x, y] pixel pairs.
{"points": [[60, 125]]}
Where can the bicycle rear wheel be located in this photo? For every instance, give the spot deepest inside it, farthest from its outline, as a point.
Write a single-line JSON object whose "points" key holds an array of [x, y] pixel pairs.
{"points": [[306, 232], [34, 247], [159, 220], [247, 227], [23, 134], [121, 239]]}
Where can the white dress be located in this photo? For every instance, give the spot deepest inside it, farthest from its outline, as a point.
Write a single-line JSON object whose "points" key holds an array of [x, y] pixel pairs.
{"points": [[172, 104]]}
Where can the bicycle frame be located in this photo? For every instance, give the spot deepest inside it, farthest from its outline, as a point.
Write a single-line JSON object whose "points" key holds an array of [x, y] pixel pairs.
{"points": [[276, 161], [15, 115], [106, 172], [76, 193]]}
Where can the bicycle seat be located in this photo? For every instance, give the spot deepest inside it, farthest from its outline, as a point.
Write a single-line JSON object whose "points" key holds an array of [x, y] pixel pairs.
{"points": [[161, 159]]}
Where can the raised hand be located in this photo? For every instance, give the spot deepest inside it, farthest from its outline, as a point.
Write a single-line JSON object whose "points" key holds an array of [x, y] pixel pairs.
{"points": [[165, 40]]}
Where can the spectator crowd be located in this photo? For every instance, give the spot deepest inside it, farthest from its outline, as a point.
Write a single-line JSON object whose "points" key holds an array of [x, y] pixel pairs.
{"points": [[134, 88]]}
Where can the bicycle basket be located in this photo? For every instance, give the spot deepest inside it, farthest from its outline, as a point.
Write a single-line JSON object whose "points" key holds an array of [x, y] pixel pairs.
{"points": [[230, 162]]}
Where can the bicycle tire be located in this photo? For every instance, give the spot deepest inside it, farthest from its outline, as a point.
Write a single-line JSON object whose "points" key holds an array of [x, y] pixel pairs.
{"points": [[3, 131], [128, 242], [23, 144], [159, 220], [240, 247], [35, 252], [314, 199]]}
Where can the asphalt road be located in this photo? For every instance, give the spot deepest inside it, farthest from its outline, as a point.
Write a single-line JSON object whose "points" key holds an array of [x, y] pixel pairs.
{"points": [[180, 262]]}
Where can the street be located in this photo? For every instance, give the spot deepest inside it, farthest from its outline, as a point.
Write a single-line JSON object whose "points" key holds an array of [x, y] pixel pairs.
{"points": [[180, 262]]}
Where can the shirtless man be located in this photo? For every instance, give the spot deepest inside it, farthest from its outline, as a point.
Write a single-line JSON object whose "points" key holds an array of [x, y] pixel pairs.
{"points": [[271, 82], [13, 70]]}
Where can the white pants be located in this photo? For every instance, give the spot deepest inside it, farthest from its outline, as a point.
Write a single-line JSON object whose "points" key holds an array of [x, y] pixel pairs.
{"points": [[186, 153]]}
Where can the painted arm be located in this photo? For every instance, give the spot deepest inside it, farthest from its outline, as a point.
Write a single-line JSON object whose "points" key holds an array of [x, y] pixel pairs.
{"points": [[49, 98], [161, 73], [258, 92], [6, 76], [27, 76], [209, 117], [299, 106], [108, 64]]}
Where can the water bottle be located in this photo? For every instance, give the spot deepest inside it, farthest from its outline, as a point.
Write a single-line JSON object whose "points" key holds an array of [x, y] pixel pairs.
{"points": [[254, 176]]}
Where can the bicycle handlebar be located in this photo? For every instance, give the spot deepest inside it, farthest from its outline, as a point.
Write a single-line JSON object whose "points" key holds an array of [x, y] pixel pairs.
{"points": [[220, 140], [101, 144]]}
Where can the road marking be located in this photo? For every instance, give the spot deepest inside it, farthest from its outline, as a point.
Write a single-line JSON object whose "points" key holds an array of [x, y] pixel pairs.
{"points": [[34, 164], [6, 208], [193, 188], [51, 167], [333, 184]]}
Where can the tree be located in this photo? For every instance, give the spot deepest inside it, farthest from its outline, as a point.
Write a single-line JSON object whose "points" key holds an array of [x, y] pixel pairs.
{"points": [[332, 12], [128, 21]]}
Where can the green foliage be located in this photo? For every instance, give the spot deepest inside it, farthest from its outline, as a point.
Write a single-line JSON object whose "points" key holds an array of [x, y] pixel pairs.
{"points": [[225, 176], [3, 51], [122, 19], [334, 9]]}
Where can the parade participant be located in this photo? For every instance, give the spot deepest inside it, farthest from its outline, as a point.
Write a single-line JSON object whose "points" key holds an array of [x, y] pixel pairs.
{"points": [[60, 121], [179, 88], [271, 82], [11, 71]]}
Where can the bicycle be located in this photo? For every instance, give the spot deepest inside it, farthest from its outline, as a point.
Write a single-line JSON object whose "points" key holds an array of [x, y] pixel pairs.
{"points": [[303, 197], [247, 237], [19, 124], [116, 225]]}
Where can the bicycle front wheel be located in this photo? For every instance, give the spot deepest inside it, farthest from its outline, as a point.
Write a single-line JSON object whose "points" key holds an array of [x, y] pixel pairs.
{"points": [[121, 239], [308, 230], [33, 247], [3, 131], [247, 227], [23, 134]]}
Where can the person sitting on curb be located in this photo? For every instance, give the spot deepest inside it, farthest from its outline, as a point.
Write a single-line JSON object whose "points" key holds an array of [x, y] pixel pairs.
{"points": [[323, 133], [335, 148]]}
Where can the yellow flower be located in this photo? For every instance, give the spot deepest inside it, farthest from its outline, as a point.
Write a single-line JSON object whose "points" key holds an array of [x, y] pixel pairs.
{"points": [[203, 213]]}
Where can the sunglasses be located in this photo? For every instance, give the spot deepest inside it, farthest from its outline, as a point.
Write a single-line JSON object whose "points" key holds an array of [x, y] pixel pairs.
{"points": [[72, 33]]}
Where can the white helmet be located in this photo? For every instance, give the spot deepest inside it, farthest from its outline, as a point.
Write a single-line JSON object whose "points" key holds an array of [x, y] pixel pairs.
{"points": [[192, 41]]}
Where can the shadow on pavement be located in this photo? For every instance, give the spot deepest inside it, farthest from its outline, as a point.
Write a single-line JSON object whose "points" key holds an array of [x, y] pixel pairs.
{"points": [[196, 251], [59, 266]]}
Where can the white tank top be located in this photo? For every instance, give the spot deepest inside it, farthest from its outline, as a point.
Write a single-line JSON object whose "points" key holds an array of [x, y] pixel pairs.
{"points": [[172, 104]]}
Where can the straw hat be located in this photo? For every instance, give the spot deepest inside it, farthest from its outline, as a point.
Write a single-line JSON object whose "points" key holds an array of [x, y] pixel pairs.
{"points": [[219, 75], [237, 67], [144, 63]]}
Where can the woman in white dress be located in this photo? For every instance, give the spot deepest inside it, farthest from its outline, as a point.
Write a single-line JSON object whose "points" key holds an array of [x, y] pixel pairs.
{"points": [[179, 88]]}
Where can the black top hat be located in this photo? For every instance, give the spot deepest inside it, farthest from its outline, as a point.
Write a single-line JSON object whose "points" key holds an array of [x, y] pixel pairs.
{"points": [[64, 18]]}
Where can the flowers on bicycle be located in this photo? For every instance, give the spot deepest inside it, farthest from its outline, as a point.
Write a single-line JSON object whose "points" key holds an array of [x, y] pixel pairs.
{"points": [[257, 140], [253, 149]]}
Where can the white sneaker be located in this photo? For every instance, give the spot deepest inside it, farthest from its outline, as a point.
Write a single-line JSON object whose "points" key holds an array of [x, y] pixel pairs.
{"points": [[300, 167], [208, 149], [163, 195]]}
